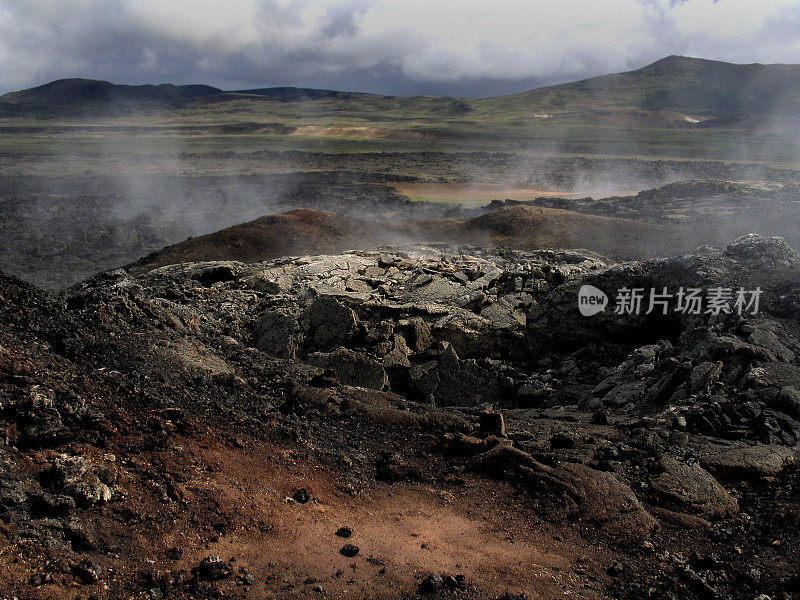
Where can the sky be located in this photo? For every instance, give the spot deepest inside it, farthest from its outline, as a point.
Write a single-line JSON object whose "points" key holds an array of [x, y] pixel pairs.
{"points": [[401, 47]]}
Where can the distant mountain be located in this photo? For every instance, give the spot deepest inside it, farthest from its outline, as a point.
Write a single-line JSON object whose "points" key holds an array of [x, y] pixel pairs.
{"points": [[676, 83], [89, 95], [668, 90], [288, 94]]}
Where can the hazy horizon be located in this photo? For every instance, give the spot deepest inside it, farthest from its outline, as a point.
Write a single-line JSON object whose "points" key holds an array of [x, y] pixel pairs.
{"points": [[512, 90]]}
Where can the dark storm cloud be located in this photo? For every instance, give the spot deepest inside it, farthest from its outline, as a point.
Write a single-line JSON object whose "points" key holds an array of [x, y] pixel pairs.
{"points": [[410, 47]]}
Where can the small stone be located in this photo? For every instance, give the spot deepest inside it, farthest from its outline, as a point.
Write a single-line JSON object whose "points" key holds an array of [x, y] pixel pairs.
{"points": [[301, 496], [87, 571], [325, 378], [599, 417], [492, 423], [213, 568], [615, 569], [454, 582], [349, 550], [387, 260], [432, 584], [344, 532], [561, 441]]}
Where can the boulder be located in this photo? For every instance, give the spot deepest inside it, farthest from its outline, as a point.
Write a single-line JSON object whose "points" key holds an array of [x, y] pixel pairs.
{"points": [[742, 461], [765, 338], [468, 333], [425, 379], [435, 289], [468, 384], [787, 401], [420, 337], [691, 489], [329, 322], [72, 475], [703, 376], [505, 314], [353, 367], [763, 251], [278, 334], [601, 497], [398, 356]]}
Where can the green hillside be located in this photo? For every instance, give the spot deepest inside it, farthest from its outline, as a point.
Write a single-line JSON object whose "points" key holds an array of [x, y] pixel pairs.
{"points": [[676, 83], [677, 107], [690, 86]]}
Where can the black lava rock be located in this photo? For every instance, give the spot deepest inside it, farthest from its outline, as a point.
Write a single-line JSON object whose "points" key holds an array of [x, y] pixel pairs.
{"points": [[432, 584], [344, 532], [302, 496], [349, 550], [213, 568]]}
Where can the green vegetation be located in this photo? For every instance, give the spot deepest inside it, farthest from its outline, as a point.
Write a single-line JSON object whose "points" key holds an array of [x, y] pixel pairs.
{"points": [[676, 108]]}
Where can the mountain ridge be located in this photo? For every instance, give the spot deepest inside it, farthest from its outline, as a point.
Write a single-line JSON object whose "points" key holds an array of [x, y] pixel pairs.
{"points": [[677, 83], [685, 85]]}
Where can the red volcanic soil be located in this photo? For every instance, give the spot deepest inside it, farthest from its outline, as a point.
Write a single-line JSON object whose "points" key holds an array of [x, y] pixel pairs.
{"points": [[299, 232], [531, 228], [308, 232], [229, 494], [403, 531]]}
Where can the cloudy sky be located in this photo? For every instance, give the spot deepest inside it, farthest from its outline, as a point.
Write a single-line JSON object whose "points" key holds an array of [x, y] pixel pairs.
{"points": [[444, 47]]}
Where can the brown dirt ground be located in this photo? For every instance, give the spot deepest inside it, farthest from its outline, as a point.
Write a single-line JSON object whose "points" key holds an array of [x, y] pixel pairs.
{"points": [[237, 505], [409, 530], [473, 193], [356, 132]]}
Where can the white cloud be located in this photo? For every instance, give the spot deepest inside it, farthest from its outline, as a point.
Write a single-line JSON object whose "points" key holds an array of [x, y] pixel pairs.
{"points": [[512, 38], [375, 43], [726, 19]]}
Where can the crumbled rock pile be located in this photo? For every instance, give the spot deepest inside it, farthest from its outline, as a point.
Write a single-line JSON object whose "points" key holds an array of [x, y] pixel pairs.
{"points": [[454, 363]]}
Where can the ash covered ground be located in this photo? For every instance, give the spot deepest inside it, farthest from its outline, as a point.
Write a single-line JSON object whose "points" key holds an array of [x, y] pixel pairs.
{"points": [[58, 229]]}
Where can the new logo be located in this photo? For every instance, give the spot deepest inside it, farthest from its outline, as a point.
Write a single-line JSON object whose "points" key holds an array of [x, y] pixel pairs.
{"points": [[591, 300]]}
